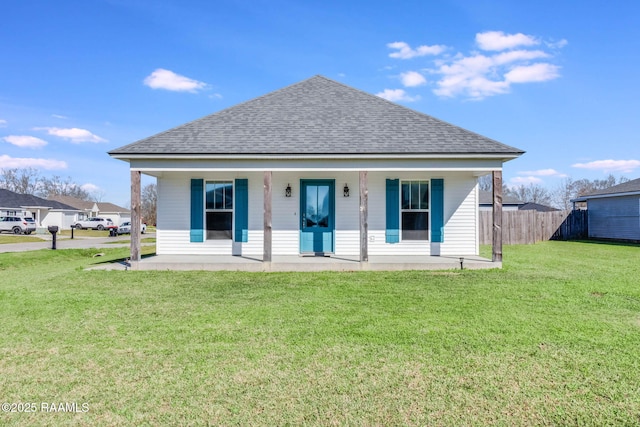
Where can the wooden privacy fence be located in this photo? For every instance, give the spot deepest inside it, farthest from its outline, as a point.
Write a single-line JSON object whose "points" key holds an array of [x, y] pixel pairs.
{"points": [[528, 226]]}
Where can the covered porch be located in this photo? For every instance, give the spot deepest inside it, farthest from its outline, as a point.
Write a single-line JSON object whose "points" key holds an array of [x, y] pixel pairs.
{"points": [[311, 263]]}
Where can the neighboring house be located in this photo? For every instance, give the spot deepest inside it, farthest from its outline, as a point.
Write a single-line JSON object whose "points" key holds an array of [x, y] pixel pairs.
{"points": [[90, 209], [614, 213], [44, 212], [316, 168], [530, 206], [509, 203]]}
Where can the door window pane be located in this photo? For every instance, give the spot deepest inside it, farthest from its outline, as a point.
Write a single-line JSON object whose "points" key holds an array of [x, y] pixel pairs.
{"points": [[311, 216], [323, 205]]}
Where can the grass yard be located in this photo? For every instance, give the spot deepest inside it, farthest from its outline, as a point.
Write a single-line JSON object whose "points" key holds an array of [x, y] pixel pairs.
{"points": [[18, 238], [551, 339]]}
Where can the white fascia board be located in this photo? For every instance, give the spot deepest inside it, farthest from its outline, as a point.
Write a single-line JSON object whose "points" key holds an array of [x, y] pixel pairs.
{"points": [[129, 157], [604, 196]]}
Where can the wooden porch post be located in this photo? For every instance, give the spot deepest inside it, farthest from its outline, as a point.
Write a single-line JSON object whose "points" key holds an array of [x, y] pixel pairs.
{"points": [[135, 216], [497, 217], [266, 256], [364, 225]]}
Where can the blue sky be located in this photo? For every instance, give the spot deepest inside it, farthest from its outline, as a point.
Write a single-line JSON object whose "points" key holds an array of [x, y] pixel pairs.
{"points": [[559, 80]]}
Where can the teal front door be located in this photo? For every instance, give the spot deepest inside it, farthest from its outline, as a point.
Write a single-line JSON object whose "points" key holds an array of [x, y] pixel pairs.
{"points": [[317, 215]]}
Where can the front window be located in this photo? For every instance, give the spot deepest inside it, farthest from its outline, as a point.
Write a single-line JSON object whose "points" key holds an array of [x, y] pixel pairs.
{"points": [[415, 210], [219, 209]]}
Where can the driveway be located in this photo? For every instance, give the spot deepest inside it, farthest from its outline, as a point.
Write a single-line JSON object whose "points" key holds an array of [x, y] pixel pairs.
{"points": [[68, 243]]}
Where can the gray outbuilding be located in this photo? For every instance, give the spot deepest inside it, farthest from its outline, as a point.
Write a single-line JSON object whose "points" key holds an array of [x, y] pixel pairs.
{"points": [[614, 213]]}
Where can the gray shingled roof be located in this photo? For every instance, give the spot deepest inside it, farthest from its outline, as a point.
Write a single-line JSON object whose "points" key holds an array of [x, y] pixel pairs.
{"points": [[486, 198], [530, 206], [10, 199], [632, 186], [317, 116]]}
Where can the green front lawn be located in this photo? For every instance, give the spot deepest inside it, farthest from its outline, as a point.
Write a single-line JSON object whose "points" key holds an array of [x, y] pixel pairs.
{"points": [[18, 238], [551, 339]]}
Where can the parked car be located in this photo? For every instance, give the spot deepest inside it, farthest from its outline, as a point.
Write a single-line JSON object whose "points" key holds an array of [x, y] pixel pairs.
{"points": [[17, 224], [125, 228], [96, 223]]}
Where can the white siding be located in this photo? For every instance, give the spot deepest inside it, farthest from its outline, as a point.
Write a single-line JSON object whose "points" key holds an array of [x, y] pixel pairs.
{"points": [[615, 218], [174, 218], [460, 211], [460, 216]]}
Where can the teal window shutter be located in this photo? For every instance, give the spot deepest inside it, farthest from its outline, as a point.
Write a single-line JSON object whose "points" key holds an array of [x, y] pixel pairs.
{"points": [[242, 210], [197, 210], [392, 234], [437, 210]]}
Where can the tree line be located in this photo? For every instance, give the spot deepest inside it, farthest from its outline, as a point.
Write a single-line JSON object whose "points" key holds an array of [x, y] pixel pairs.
{"points": [[559, 197], [29, 181]]}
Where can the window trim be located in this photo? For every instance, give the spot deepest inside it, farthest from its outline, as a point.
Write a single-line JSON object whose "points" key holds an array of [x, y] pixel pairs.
{"points": [[207, 210], [428, 210]]}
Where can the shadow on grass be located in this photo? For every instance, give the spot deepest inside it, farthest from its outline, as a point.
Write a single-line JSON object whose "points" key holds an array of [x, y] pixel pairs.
{"points": [[610, 242]]}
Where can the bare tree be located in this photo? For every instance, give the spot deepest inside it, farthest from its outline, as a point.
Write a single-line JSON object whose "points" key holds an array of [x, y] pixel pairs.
{"points": [[149, 203], [23, 181], [485, 182], [570, 189], [98, 195], [532, 193], [57, 186]]}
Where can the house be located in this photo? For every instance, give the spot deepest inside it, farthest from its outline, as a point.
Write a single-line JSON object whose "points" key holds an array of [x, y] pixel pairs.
{"points": [[614, 213], [316, 168], [44, 212], [90, 209], [509, 202]]}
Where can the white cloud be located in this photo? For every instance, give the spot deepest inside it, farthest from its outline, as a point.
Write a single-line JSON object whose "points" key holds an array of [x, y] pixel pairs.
{"points": [[518, 55], [168, 80], [624, 166], [412, 79], [404, 51], [525, 180], [22, 162], [479, 76], [532, 73], [58, 116], [544, 172], [3, 123], [504, 60], [25, 141], [395, 95], [90, 188], [557, 45], [497, 40], [74, 135]]}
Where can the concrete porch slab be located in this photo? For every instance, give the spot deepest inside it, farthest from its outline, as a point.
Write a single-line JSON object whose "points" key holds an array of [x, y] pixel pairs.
{"points": [[302, 264]]}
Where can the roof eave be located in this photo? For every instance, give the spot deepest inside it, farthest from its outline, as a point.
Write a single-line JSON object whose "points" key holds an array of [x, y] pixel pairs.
{"points": [[605, 196], [328, 156]]}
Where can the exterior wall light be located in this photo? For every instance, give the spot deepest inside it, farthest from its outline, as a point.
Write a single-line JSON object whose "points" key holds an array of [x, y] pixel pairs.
{"points": [[345, 190], [287, 191]]}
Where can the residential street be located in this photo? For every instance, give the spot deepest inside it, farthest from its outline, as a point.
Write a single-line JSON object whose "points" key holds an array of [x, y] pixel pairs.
{"points": [[68, 243]]}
